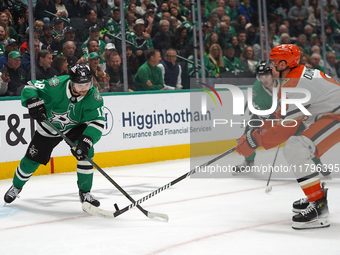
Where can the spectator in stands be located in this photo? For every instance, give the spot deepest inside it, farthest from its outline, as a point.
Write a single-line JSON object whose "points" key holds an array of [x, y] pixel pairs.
{"points": [[224, 35], [240, 23], [242, 37], [23, 24], [130, 19], [315, 59], [15, 77], [314, 18], [175, 13], [116, 77], [100, 78], [149, 75], [151, 23], [47, 39], [58, 26], [69, 48], [234, 43], [2, 39], [109, 49], [251, 34], [163, 40], [94, 34], [308, 31], [74, 9], [44, 69], [213, 39], [246, 9], [232, 63], [171, 71], [231, 10], [182, 40], [113, 25], [133, 8], [216, 61], [104, 10], [282, 29], [10, 45], [284, 39], [213, 19], [69, 35], [210, 5], [248, 60], [91, 20], [61, 8], [10, 31], [26, 59], [298, 12], [41, 7], [306, 61], [330, 65], [60, 64], [91, 5], [191, 66], [302, 42], [132, 60]]}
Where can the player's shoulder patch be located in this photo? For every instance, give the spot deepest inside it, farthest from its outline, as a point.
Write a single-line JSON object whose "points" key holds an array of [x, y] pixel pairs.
{"points": [[284, 82], [53, 82], [97, 96]]}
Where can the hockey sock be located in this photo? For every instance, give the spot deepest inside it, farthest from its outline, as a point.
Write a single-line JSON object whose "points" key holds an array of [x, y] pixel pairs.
{"points": [[316, 160], [251, 157], [24, 171], [85, 175], [311, 187]]}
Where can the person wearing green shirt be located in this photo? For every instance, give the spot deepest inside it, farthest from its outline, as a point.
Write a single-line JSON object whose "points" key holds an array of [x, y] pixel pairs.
{"points": [[232, 63], [94, 33], [149, 75], [231, 10], [113, 25]]}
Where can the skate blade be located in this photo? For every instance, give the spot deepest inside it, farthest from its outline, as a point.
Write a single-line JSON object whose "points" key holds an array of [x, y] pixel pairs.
{"points": [[318, 223]]}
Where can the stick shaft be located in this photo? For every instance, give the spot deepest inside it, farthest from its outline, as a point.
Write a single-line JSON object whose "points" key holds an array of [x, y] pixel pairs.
{"points": [[166, 186]]}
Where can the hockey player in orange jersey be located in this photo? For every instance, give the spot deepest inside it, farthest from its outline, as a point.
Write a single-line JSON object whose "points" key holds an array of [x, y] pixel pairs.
{"points": [[322, 133]]}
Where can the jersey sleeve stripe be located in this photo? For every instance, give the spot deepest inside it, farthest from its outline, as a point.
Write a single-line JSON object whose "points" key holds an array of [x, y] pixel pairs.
{"points": [[98, 124], [296, 112]]}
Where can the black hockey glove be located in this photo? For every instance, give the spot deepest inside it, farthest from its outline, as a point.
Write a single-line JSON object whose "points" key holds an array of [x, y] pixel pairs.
{"points": [[36, 108], [83, 147]]}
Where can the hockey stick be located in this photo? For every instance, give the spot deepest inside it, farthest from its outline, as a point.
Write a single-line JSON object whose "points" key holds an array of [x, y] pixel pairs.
{"points": [[151, 215], [166, 186], [269, 187]]}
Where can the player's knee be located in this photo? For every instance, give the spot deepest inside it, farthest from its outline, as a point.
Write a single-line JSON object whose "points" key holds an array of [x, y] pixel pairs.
{"points": [[298, 150]]}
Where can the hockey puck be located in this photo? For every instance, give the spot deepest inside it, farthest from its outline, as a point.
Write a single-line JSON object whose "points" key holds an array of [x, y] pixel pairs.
{"points": [[268, 189]]}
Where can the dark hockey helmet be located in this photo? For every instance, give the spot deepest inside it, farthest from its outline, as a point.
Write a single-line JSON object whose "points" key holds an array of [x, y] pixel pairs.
{"points": [[80, 73], [262, 69]]}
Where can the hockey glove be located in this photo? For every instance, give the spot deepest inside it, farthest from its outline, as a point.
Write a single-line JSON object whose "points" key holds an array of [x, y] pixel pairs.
{"points": [[248, 143], [36, 108], [83, 147]]}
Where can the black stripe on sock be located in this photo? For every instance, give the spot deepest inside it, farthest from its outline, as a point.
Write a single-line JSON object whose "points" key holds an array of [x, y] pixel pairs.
{"points": [[86, 167], [302, 179]]}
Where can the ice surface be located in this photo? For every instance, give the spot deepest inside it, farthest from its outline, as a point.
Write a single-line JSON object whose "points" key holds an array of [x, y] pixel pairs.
{"points": [[208, 216]]}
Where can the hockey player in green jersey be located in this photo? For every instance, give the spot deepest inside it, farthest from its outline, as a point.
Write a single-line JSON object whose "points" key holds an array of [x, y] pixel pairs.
{"points": [[75, 107], [267, 79]]}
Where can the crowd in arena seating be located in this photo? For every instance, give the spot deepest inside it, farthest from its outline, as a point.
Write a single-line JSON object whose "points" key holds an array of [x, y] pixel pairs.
{"points": [[159, 40]]}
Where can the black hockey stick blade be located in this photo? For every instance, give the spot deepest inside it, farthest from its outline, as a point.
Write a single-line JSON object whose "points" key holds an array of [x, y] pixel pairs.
{"points": [[139, 201], [96, 211], [72, 144]]}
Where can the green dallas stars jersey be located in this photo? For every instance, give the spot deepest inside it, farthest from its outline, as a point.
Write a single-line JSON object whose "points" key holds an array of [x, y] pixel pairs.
{"points": [[65, 111], [262, 97]]}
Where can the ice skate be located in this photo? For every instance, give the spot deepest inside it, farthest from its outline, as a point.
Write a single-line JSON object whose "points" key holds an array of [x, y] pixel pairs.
{"points": [[88, 197], [243, 168], [11, 194], [314, 216], [300, 205]]}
